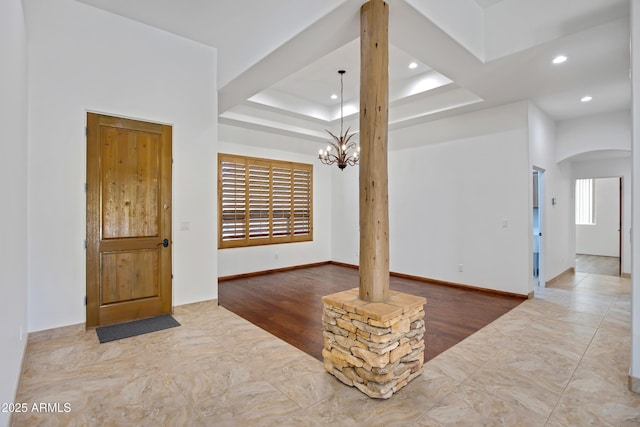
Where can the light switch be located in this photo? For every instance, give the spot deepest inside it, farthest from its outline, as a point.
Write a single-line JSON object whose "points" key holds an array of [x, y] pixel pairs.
{"points": [[505, 223], [185, 225]]}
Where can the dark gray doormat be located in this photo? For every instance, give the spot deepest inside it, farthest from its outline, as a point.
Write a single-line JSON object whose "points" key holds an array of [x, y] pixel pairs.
{"points": [[137, 327]]}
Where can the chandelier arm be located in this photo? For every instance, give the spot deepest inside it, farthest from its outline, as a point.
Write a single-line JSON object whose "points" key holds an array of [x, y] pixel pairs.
{"points": [[332, 157], [328, 161], [348, 136], [337, 140], [336, 147]]}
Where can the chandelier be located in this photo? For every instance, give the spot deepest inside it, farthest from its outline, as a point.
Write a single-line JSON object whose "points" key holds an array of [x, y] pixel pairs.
{"points": [[341, 150]]}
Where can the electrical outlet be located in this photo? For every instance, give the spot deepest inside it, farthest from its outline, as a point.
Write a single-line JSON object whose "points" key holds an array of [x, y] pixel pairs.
{"points": [[460, 268]]}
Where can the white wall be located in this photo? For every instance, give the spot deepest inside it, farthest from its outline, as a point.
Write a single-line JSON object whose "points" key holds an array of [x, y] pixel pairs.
{"points": [[84, 59], [345, 215], [635, 263], [461, 192], [448, 200], [13, 193], [254, 143], [558, 226], [602, 238], [601, 132]]}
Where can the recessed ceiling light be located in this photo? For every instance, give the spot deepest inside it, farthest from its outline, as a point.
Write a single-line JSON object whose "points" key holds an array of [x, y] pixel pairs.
{"points": [[413, 65], [334, 96], [586, 98], [559, 59]]}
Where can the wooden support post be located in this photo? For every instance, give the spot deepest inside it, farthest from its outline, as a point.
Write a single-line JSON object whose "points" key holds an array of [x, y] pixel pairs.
{"points": [[374, 118]]}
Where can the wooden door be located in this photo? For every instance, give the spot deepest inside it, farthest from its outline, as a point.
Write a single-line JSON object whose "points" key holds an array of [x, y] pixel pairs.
{"points": [[128, 219]]}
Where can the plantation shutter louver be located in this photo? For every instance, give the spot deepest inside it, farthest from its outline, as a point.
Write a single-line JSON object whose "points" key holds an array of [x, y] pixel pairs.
{"points": [[258, 201], [232, 201], [301, 202], [281, 201], [263, 201], [585, 197]]}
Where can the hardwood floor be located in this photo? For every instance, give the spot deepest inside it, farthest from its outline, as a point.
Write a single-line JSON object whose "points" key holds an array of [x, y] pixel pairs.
{"points": [[288, 305]]}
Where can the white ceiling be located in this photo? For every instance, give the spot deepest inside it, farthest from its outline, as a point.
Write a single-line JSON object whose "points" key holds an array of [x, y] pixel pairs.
{"points": [[278, 59], [487, 3]]}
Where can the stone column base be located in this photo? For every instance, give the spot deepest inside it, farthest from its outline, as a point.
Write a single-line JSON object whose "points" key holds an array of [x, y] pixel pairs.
{"points": [[376, 347], [634, 384]]}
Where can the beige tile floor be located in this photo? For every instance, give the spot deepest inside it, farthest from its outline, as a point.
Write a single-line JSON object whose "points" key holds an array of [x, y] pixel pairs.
{"points": [[606, 265], [559, 359]]}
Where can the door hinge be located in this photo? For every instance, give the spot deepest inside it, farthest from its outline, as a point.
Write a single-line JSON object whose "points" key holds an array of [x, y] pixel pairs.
{"points": [[85, 243], [86, 131], [171, 276], [86, 187], [85, 300]]}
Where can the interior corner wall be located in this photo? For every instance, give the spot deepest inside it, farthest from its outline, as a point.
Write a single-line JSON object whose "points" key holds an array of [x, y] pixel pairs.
{"points": [[558, 228], [459, 202], [254, 143], [13, 189], [85, 59], [635, 224]]}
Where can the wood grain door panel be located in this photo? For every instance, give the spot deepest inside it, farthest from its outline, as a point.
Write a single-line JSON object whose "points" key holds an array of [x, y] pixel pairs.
{"points": [[128, 218], [130, 165], [128, 276]]}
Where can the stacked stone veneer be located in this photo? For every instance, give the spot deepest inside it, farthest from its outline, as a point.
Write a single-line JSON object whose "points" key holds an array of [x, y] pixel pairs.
{"points": [[376, 347]]}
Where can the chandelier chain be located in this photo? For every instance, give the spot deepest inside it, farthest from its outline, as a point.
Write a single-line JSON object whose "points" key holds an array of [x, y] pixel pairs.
{"points": [[341, 100]]}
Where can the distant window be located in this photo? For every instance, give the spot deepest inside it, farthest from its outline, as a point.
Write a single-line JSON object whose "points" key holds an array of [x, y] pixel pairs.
{"points": [[585, 196], [263, 202]]}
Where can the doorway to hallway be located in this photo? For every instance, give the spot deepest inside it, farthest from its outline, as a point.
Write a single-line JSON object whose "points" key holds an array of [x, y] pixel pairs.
{"points": [[537, 225], [599, 226]]}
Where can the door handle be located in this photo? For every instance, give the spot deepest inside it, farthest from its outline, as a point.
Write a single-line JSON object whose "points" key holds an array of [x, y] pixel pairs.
{"points": [[164, 243]]}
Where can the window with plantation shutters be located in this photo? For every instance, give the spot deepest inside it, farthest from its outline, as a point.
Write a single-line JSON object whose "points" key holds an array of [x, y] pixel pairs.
{"points": [[585, 196], [263, 201]]}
